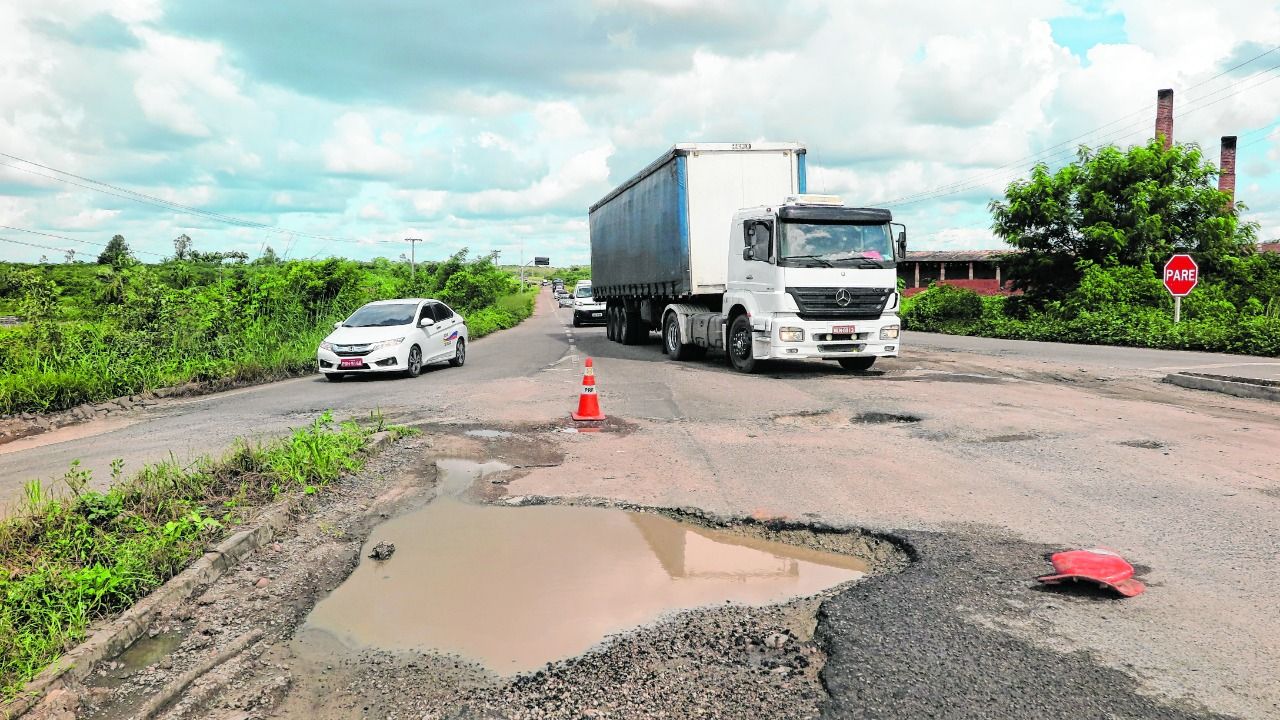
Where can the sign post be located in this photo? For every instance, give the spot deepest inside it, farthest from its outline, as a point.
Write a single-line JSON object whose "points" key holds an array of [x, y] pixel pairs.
{"points": [[1180, 277]]}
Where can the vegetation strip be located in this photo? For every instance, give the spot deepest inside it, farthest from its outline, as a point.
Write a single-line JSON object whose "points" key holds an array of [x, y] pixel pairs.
{"points": [[90, 333], [1090, 240], [66, 562]]}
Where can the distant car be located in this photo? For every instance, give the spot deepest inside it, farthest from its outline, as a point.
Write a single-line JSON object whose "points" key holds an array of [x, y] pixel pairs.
{"points": [[565, 300], [394, 336], [585, 308], [546, 283]]}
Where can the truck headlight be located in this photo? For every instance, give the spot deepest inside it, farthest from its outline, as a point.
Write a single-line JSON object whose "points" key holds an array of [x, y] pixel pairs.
{"points": [[383, 344], [791, 334], [889, 332]]}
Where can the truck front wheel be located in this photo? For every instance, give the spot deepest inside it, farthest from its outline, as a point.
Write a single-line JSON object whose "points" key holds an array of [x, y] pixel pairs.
{"points": [[671, 344], [740, 351], [857, 364]]}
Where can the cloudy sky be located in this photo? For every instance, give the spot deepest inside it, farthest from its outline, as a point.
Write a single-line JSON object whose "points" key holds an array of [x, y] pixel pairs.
{"points": [[330, 127]]}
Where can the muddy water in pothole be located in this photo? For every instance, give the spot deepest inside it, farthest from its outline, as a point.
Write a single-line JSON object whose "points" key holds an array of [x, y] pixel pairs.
{"points": [[517, 587]]}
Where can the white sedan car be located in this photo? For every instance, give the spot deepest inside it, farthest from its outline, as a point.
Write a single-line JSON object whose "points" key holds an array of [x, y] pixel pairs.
{"points": [[394, 336]]}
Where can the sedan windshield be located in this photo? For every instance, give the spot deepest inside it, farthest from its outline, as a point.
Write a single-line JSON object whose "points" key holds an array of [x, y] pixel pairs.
{"points": [[382, 315], [831, 244]]}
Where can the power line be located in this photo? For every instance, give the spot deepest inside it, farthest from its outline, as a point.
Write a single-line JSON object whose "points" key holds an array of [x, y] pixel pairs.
{"points": [[71, 239], [34, 245], [1048, 152], [1196, 104], [127, 194]]}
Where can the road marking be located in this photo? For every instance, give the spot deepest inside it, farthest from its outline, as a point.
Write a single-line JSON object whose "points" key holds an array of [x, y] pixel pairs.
{"points": [[1172, 368], [93, 428], [230, 393]]}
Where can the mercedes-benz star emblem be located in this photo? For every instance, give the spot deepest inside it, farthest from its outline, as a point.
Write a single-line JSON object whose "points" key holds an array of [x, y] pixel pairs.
{"points": [[843, 297]]}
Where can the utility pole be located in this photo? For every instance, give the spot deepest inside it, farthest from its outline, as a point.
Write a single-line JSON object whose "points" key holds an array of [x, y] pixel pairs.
{"points": [[413, 262]]}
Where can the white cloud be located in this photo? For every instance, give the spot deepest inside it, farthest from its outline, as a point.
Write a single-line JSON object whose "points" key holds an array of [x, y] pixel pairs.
{"points": [[178, 79], [92, 219], [892, 102], [355, 149]]}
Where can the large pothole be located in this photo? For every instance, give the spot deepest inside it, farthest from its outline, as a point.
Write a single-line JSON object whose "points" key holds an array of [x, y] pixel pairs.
{"points": [[517, 587]]}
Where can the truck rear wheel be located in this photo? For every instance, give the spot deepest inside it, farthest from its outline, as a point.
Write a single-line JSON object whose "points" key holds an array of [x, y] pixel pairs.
{"points": [[671, 344], [630, 330], [857, 364], [739, 350], [611, 323]]}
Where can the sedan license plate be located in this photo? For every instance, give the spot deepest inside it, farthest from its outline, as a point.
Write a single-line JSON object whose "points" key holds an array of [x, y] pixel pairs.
{"points": [[843, 330], [351, 362]]}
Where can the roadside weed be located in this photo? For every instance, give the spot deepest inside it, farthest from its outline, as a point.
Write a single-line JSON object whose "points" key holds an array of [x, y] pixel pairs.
{"points": [[66, 561]]}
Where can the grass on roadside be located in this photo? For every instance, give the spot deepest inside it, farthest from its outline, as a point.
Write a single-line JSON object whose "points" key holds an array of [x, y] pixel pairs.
{"points": [[68, 560], [507, 312]]}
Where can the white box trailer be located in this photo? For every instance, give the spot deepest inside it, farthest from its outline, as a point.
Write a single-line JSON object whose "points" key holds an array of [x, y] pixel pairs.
{"points": [[665, 231]]}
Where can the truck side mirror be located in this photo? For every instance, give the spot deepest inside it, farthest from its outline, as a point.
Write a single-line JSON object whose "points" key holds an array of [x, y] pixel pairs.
{"points": [[902, 244]]}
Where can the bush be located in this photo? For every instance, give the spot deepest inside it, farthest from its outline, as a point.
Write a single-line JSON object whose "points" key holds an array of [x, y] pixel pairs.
{"points": [[943, 308]]}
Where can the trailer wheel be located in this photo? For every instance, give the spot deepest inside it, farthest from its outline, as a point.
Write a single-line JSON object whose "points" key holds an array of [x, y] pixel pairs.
{"points": [[628, 326], [857, 364], [671, 344], [739, 350]]}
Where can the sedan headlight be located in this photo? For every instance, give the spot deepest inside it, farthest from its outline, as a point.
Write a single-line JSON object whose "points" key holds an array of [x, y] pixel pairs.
{"points": [[383, 344], [326, 345], [791, 334], [889, 332]]}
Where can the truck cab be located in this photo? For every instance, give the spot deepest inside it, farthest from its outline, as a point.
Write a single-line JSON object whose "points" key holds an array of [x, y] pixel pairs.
{"points": [[811, 278]]}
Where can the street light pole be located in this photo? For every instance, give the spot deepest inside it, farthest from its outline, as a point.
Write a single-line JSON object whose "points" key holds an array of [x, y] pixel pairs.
{"points": [[413, 262]]}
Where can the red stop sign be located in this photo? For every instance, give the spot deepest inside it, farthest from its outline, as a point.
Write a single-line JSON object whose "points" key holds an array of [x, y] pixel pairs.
{"points": [[1181, 275]]}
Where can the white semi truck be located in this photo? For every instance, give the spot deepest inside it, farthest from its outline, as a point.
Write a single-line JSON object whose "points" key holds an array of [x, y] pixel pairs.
{"points": [[719, 246]]}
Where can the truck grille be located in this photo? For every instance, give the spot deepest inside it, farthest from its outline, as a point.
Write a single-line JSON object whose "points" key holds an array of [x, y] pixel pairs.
{"points": [[832, 303]]}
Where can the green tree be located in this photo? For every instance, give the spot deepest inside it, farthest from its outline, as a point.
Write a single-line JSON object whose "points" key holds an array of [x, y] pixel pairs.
{"points": [[1113, 207], [117, 253], [182, 247]]}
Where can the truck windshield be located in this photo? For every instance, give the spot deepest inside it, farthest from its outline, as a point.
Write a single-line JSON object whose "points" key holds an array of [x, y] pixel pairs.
{"points": [[832, 244]]}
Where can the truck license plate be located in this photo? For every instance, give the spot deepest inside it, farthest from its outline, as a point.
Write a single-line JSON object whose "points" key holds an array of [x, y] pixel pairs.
{"points": [[351, 362], [843, 330]]}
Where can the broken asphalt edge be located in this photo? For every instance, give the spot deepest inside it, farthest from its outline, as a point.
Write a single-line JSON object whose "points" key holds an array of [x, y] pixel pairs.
{"points": [[117, 635], [1253, 388]]}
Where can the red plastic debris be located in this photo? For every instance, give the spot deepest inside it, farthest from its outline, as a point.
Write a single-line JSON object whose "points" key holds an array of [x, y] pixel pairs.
{"points": [[1098, 565]]}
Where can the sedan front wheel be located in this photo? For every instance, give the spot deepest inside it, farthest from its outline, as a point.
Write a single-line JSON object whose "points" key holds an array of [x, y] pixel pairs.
{"points": [[415, 362]]}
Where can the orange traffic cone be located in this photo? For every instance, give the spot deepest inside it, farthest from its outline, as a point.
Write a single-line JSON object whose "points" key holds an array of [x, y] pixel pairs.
{"points": [[588, 402]]}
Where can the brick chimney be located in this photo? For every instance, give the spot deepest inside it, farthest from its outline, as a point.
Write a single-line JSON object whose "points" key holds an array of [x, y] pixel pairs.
{"points": [[1227, 168], [1164, 116]]}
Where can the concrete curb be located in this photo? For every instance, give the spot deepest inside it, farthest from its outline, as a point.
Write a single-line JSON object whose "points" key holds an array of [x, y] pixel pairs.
{"points": [[117, 635], [1240, 387]]}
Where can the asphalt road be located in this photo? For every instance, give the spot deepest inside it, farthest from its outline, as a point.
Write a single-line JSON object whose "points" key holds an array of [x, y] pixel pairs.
{"points": [[996, 452], [1155, 361], [191, 427]]}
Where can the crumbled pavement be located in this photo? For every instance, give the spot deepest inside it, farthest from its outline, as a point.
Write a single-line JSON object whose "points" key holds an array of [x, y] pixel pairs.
{"points": [[939, 640]]}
